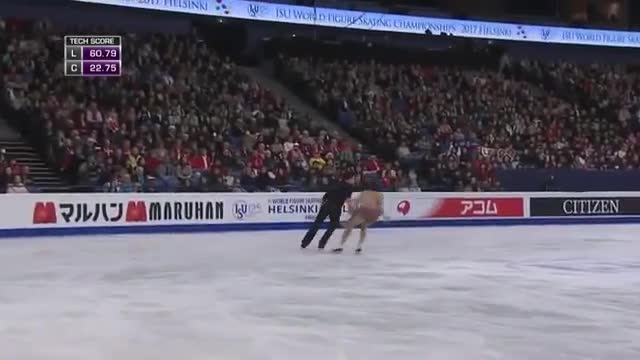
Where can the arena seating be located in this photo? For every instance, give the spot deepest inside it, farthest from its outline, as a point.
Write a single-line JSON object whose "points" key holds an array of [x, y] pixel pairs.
{"points": [[602, 129], [460, 121], [14, 177], [181, 118], [184, 117]]}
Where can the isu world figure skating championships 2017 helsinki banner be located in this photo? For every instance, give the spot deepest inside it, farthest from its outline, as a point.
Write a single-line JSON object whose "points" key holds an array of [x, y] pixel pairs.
{"points": [[362, 20], [83, 214]]}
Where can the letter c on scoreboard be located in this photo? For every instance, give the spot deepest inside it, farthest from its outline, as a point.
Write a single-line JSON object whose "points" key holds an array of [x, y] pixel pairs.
{"points": [[73, 68]]}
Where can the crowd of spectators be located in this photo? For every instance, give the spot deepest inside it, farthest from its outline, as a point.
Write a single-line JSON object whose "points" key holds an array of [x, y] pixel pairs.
{"points": [[185, 118], [459, 124], [181, 118], [602, 132], [14, 177]]}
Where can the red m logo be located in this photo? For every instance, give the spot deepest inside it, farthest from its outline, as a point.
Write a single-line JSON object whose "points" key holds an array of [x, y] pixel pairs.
{"points": [[44, 213], [136, 211]]}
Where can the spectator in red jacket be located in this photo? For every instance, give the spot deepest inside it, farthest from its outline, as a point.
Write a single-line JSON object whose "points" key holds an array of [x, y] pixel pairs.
{"points": [[372, 165], [201, 161], [256, 161]]}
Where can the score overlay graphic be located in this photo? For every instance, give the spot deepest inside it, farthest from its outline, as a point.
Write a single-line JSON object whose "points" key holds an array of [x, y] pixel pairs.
{"points": [[92, 55]]}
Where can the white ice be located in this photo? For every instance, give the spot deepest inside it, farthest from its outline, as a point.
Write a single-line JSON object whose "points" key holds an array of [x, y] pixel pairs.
{"points": [[515, 293]]}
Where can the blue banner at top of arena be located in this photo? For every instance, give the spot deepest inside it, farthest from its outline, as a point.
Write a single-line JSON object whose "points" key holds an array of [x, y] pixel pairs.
{"points": [[374, 21]]}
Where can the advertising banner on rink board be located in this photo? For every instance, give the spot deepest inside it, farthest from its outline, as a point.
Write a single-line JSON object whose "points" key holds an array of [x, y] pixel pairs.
{"points": [[28, 211], [422, 206], [82, 210], [99, 210], [584, 206], [122, 209], [282, 207]]}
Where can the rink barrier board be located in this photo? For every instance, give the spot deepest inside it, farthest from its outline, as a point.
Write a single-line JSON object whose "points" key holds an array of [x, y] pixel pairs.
{"points": [[247, 227], [29, 215]]}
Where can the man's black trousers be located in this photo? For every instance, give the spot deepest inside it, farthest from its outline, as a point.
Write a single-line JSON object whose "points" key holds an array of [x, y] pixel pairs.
{"points": [[331, 211]]}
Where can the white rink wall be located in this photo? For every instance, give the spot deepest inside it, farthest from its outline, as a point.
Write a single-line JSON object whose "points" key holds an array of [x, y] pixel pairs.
{"points": [[93, 214]]}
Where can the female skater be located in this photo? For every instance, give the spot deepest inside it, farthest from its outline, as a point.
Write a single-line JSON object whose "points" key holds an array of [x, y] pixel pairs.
{"points": [[365, 210]]}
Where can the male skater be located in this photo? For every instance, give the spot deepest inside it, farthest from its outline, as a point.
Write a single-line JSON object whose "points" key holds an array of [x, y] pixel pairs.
{"points": [[331, 207]]}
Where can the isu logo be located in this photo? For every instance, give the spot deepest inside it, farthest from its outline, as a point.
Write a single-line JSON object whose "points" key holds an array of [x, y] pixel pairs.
{"points": [[479, 207], [243, 209], [404, 207]]}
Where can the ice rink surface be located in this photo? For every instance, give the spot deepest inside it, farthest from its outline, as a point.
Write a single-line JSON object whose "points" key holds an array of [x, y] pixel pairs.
{"points": [[514, 293]]}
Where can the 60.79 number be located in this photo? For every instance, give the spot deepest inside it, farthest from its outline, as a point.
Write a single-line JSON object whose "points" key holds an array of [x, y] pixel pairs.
{"points": [[103, 53]]}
